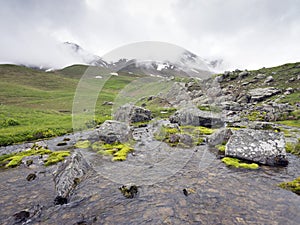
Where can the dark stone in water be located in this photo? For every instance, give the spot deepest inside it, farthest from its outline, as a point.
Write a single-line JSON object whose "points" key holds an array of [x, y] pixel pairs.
{"points": [[21, 216], [129, 192], [61, 144], [29, 162], [185, 192], [31, 177], [89, 221], [281, 161], [59, 200], [83, 222]]}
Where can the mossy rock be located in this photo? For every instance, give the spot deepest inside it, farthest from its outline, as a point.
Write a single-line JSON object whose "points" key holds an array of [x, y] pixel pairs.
{"points": [[238, 164], [293, 186], [83, 144]]}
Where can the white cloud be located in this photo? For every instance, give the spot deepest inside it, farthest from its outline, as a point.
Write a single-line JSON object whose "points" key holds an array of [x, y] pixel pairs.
{"points": [[246, 34]]}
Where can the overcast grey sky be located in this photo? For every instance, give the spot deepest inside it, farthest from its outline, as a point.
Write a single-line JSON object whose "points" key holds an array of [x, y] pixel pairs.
{"points": [[245, 33]]}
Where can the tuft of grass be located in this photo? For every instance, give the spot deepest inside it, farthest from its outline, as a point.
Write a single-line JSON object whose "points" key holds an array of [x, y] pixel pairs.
{"points": [[238, 164], [293, 186]]}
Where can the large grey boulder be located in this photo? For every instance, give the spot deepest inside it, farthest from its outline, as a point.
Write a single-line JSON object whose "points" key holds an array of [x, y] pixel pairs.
{"points": [[196, 117], [132, 114], [260, 94], [112, 131], [260, 146]]}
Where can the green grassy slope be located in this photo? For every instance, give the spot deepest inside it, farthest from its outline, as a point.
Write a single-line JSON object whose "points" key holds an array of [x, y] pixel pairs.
{"points": [[35, 104], [281, 74]]}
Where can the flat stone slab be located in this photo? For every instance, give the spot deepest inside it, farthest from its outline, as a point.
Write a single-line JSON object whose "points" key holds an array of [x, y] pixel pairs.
{"points": [[260, 146]]}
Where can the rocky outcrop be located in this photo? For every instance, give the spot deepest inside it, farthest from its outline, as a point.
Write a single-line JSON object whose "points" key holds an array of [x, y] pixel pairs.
{"points": [[260, 94], [260, 146], [196, 117], [177, 95], [112, 131], [132, 114]]}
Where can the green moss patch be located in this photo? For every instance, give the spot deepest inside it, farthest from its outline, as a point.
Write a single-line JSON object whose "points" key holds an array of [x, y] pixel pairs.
{"points": [[83, 144], [293, 186], [197, 130], [15, 159], [293, 148], [117, 150], [168, 135], [56, 157], [238, 164], [256, 116], [221, 148], [291, 123]]}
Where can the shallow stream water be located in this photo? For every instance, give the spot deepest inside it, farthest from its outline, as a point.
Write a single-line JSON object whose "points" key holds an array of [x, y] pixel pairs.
{"points": [[216, 194]]}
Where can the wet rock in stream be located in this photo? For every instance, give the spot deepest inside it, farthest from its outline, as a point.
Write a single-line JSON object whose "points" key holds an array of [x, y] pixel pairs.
{"points": [[70, 173], [59, 200], [130, 192], [31, 177], [21, 216]]}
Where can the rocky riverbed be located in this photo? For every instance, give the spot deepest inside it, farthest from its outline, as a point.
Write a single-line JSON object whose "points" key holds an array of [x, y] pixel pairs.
{"points": [[174, 186]]}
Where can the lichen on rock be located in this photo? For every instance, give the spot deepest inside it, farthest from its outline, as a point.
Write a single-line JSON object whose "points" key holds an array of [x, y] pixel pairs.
{"points": [[260, 146]]}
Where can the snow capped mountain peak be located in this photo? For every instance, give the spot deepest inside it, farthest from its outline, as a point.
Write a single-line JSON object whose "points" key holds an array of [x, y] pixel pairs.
{"points": [[75, 47], [83, 56], [154, 58]]}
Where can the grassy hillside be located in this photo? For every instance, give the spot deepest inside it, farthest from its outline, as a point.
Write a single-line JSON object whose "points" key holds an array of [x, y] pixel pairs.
{"points": [[285, 76], [35, 104]]}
